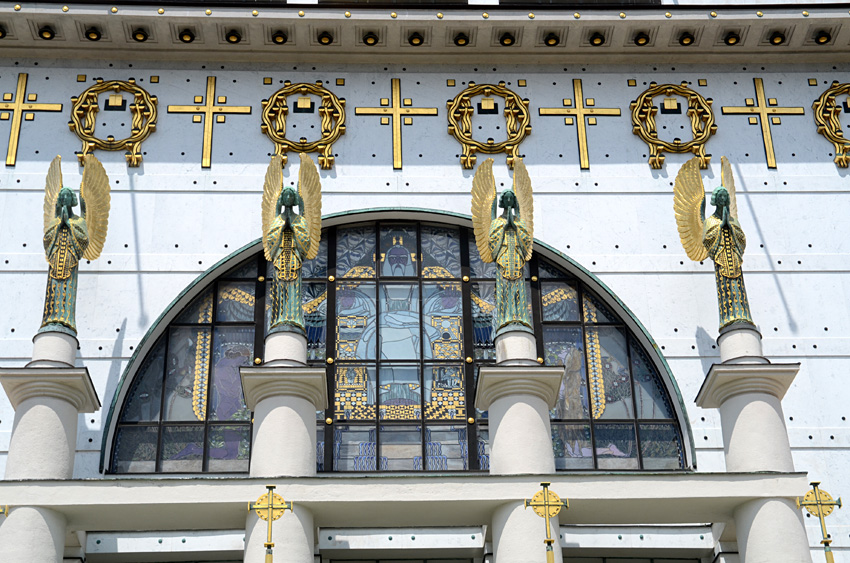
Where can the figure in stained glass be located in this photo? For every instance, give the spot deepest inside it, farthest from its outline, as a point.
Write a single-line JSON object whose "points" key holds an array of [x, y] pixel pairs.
{"points": [[289, 238], [68, 238], [505, 239]]}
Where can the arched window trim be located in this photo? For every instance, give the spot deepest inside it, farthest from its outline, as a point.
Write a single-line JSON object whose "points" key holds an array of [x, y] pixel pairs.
{"points": [[203, 281]]}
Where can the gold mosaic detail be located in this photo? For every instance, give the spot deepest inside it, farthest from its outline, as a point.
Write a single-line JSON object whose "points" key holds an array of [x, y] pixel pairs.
{"points": [[828, 119], [594, 364]]}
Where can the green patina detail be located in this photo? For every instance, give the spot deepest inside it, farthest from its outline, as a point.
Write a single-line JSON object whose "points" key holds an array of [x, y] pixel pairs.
{"points": [[239, 255]]}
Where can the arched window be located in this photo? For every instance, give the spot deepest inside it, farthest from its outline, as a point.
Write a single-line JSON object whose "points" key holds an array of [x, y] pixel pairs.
{"points": [[399, 314]]}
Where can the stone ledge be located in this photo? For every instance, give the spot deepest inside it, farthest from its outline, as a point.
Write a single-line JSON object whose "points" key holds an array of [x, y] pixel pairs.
{"points": [[727, 380], [500, 381], [68, 384], [260, 383]]}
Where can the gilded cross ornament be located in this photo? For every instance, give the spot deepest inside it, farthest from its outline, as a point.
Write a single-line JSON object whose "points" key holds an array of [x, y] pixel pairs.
{"points": [[70, 238], [585, 112], [394, 111], [143, 122], [4, 510], [517, 123], [205, 108], [828, 118], [19, 107], [718, 236], [820, 503], [505, 239], [331, 113], [699, 111], [270, 507], [547, 505], [763, 111]]}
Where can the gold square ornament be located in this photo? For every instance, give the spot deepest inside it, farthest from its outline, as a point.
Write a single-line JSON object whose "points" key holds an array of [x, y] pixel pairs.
{"points": [[32, 97], [450, 82], [340, 81], [4, 116], [631, 82], [568, 121], [813, 81], [303, 102], [7, 97], [753, 121], [771, 101], [750, 102], [407, 102], [568, 102], [222, 99], [385, 101], [702, 82], [81, 78], [29, 116], [196, 119], [591, 121], [521, 83], [154, 79], [408, 121], [671, 103], [488, 104], [385, 121], [590, 102], [267, 80], [220, 118], [199, 99], [776, 120]]}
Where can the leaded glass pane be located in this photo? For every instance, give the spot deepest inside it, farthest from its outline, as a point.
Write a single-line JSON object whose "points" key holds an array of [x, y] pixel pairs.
{"points": [[246, 270], [355, 252], [446, 447], [483, 296], [616, 447], [548, 271], [315, 306], [445, 398], [651, 397], [135, 449], [354, 393], [318, 266], [442, 315], [399, 256], [320, 447], [660, 446], [229, 448], [483, 448], [233, 347], [182, 449], [235, 302], [564, 347], [399, 393], [401, 446], [478, 268], [398, 321], [187, 377], [199, 311], [356, 334], [572, 446], [440, 252], [143, 400], [355, 448], [596, 312], [608, 371], [560, 301]]}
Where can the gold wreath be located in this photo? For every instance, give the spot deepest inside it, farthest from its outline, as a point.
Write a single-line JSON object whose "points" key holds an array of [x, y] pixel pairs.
{"points": [[828, 119]]}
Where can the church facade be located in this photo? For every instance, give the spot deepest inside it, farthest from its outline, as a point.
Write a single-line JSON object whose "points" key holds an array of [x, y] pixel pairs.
{"points": [[405, 282]]}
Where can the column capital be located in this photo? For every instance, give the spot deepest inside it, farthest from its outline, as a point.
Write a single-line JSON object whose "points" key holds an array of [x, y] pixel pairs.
{"points": [[728, 380], [260, 383], [496, 382], [68, 384]]}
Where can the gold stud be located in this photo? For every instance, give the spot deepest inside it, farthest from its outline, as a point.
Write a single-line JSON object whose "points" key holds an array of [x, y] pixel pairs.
{"points": [[576, 15], [114, 10], [330, 361], [65, 8], [208, 12], [160, 11], [713, 14], [255, 13], [258, 361], [331, 279], [261, 279], [622, 15], [533, 278], [466, 278], [759, 14], [531, 15], [17, 7], [470, 420], [668, 15], [439, 15], [469, 359], [539, 360], [805, 14], [393, 15], [348, 14], [329, 420], [301, 13], [485, 15]]}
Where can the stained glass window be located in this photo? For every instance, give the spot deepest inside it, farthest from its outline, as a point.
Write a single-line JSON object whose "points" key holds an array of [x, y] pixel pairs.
{"points": [[405, 310]]}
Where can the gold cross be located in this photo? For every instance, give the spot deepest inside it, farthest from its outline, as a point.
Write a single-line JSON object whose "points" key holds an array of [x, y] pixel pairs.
{"points": [[207, 109], [393, 109], [17, 103], [584, 108], [4, 510], [547, 505], [763, 108], [270, 507], [819, 503]]}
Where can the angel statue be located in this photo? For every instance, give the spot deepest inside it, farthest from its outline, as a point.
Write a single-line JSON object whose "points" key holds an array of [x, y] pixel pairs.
{"points": [[718, 236], [505, 239], [289, 238], [68, 238]]}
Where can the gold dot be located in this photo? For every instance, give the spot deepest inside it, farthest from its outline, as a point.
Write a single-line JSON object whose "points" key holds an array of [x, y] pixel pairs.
{"points": [[114, 10], [469, 359], [466, 278], [255, 13], [261, 279], [539, 360], [470, 420], [622, 15], [160, 11], [329, 420], [301, 13], [485, 15], [331, 278], [759, 14], [713, 14], [393, 15], [330, 360], [208, 12], [17, 7], [258, 361], [576, 15], [348, 14], [668, 15], [805, 14], [533, 278], [439, 14], [65, 8], [531, 15]]}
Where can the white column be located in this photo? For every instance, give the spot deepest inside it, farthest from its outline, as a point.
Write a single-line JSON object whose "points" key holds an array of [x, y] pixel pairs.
{"points": [[771, 530], [292, 535], [518, 535], [32, 534]]}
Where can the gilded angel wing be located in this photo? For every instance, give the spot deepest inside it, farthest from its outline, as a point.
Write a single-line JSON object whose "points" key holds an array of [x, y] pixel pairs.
{"points": [[94, 191], [271, 192], [51, 190], [522, 189], [689, 206], [728, 182], [310, 190], [483, 196]]}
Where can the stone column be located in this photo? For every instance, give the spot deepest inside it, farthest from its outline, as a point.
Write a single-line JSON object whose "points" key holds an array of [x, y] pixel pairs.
{"points": [[47, 396], [284, 396], [748, 390], [518, 393]]}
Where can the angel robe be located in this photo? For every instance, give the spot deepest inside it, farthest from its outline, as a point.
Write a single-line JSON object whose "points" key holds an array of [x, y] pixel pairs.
{"points": [[726, 248], [508, 246], [64, 247], [288, 247]]}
